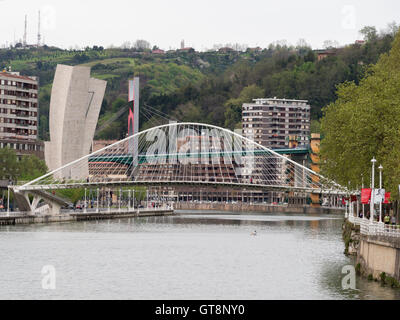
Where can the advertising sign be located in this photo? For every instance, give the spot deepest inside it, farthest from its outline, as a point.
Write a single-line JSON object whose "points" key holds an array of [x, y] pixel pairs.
{"points": [[365, 196], [379, 195], [387, 197]]}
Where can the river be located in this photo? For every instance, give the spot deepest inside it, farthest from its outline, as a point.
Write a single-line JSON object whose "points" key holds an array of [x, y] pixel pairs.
{"points": [[202, 256]]}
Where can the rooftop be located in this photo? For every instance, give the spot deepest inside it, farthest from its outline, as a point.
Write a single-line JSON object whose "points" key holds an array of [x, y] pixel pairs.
{"points": [[278, 100], [16, 76]]}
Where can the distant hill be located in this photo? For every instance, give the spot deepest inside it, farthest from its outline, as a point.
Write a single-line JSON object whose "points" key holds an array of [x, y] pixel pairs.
{"points": [[201, 86]]}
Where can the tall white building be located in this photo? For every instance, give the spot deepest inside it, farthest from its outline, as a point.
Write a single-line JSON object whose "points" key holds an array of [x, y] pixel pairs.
{"points": [[270, 122], [19, 109]]}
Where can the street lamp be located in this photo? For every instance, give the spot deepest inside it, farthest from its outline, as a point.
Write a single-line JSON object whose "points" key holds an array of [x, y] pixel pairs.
{"points": [[380, 187], [373, 161], [349, 204]]}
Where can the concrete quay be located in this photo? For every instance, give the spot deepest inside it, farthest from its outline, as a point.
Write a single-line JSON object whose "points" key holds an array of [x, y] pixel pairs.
{"points": [[376, 247], [89, 216], [379, 255]]}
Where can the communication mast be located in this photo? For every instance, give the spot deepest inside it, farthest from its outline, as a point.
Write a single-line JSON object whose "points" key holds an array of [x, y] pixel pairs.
{"points": [[26, 23], [39, 35]]}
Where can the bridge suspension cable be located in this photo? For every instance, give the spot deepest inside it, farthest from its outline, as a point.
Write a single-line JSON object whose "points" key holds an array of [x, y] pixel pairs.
{"points": [[187, 154]]}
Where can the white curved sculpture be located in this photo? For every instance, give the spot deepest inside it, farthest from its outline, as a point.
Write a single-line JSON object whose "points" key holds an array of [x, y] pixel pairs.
{"points": [[75, 104]]}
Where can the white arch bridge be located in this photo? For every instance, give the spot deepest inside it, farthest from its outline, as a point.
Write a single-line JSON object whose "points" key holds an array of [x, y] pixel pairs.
{"points": [[178, 155]]}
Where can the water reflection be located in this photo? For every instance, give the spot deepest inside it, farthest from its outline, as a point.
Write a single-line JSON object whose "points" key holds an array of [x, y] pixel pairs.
{"points": [[201, 256]]}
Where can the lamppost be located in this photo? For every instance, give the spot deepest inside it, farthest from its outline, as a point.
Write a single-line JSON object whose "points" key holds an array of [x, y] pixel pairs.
{"points": [[380, 187], [373, 161], [349, 203], [85, 210], [8, 202], [97, 209]]}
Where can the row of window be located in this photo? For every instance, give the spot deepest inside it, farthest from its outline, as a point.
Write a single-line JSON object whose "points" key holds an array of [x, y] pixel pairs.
{"points": [[19, 122], [23, 104], [17, 131], [25, 95], [22, 146], [19, 113], [277, 102], [305, 108], [22, 85]]}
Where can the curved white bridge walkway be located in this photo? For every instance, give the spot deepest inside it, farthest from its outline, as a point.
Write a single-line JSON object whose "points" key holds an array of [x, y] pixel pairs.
{"points": [[180, 154]]}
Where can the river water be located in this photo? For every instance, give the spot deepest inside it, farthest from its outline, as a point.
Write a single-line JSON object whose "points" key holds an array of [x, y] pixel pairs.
{"points": [[202, 256]]}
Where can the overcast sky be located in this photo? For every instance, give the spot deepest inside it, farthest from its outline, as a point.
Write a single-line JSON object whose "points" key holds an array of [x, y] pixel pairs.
{"points": [[201, 23]]}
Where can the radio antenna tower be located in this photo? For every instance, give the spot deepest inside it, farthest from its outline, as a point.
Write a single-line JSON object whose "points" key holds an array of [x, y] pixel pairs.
{"points": [[39, 36], [26, 23]]}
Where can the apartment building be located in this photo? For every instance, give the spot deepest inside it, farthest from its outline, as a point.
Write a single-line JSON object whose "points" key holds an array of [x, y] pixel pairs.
{"points": [[19, 111], [271, 122]]}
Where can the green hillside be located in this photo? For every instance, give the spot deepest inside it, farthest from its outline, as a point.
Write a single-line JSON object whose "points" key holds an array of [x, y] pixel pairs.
{"points": [[203, 86]]}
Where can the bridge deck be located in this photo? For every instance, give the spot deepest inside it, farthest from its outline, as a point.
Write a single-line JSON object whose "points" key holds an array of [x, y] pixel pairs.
{"points": [[95, 185]]}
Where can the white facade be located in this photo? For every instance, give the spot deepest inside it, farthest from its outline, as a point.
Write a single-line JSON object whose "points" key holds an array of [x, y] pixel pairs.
{"points": [[270, 122], [74, 110]]}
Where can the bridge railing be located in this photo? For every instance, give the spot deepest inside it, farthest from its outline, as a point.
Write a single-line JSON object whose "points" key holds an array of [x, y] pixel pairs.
{"points": [[374, 228]]}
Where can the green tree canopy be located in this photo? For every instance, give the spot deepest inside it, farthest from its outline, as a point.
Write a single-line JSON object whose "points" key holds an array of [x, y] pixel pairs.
{"points": [[8, 164], [233, 113], [28, 168], [31, 167], [364, 122]]}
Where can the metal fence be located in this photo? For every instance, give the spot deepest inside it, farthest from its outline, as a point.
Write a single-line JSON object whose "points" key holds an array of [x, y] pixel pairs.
{"points": [[375, 228]]}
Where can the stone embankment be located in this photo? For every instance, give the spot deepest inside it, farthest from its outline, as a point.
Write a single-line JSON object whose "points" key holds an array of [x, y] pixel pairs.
{"points": [[377, 256], [71, 217]]}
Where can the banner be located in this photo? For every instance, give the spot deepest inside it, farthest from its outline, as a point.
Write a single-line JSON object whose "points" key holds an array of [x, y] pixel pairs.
{"points": [[365, 196], [353, 198], [387, 197], [379, 195]]}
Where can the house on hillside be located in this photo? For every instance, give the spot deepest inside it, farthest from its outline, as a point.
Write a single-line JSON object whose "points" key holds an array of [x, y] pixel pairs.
{"points": [[158, 51], [188, 50], [322, 54], [225, 50]]}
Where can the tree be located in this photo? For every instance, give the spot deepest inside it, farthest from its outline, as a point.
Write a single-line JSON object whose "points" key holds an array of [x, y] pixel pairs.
{"points": [[364, 122], [31, 167], [9, 168], [74, 195], [392, 29], [28, 168], [330, 44], [315, 126], [187, 112], [118, 104], [142, 45], [369, 33], [126, 45], [233, 113]]}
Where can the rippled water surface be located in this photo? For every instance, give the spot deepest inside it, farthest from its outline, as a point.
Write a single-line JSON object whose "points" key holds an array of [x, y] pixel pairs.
{"points": [[202, 256]]}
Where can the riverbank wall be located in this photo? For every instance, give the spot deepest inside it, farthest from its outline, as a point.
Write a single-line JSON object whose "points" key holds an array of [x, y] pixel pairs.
{"points": [[92, 216], [257, 208], [377, 257]]}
